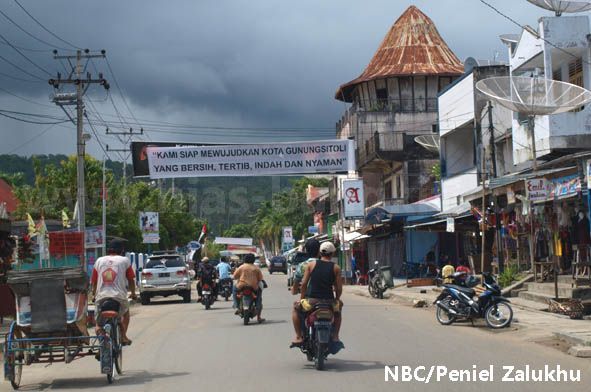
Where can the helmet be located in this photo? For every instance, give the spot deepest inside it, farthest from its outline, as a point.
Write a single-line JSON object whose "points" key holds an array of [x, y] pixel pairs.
{"points": [[327, 248], [205, 259], [312, 246]]}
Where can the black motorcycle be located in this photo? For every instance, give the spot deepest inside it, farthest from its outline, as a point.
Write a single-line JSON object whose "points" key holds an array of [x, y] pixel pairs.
{"points": [[207, 297], [247, 304], [380, 280], [456, 302], [225, 286], [317, 344]]}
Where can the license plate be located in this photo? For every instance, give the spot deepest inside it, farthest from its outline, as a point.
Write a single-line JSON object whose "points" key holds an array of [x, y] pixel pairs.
{"points": [[164, 275], [278, 264], [206, 292]]}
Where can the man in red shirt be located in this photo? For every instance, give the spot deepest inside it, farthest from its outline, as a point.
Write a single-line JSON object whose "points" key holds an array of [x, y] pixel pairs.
{"points": [[111, 276]]}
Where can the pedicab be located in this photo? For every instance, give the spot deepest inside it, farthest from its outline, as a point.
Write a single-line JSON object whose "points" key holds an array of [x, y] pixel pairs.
{"points": [[52, 314]]}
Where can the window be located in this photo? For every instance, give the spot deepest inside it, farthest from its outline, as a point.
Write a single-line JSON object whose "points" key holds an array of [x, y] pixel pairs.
{"points": [[161, 262], [388, 190], [575, 72], [382, 96], [557, 75], [398, 187]]}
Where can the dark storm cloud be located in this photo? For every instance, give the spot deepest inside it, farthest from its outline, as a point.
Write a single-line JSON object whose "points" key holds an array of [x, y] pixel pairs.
{"points": [[259, 63]]}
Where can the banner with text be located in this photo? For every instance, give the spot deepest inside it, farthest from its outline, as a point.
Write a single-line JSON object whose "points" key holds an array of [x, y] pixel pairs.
{"points": [[353, 199], [317, 157]]}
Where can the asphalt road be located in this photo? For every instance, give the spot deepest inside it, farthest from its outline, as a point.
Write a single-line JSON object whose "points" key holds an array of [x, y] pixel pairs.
{"points": [[183, 347]]}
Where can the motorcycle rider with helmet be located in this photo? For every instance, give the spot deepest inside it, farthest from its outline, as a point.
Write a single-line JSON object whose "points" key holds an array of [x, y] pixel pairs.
{"points": [[321, 282], [206, 273]]}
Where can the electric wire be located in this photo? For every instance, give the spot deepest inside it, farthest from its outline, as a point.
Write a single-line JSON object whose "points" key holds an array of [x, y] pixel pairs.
{"points": [[45, 28], [31, 140], [21, 69], [29, 34]]}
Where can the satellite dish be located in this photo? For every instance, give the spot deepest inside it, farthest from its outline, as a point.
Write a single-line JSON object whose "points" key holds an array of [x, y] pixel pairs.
{"points": [[560, 6], [430, 142], [534, 96]]}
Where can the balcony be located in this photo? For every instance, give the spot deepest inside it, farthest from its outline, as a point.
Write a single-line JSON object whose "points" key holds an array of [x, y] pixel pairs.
{"points": [[391, 105], [382, 148]]}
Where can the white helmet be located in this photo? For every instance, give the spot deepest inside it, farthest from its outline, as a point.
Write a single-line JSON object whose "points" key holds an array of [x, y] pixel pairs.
{"points": [[327, 248]]}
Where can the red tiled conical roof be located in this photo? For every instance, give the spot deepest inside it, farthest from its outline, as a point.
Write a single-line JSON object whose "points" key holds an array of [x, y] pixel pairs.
{"points": [[413, 46]]}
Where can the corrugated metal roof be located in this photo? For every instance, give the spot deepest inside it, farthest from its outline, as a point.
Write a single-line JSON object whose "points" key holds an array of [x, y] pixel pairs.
{"points": [[413, 46]]}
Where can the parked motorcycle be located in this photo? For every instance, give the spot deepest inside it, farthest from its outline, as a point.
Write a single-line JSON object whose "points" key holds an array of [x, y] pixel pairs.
{"points": [[225, 286], [456, 301], [380, 280], [317, 334], [247, 304], [207, 297]]}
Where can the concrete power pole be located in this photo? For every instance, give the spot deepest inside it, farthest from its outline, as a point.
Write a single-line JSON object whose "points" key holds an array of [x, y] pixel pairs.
{"points": [[82, 83]]}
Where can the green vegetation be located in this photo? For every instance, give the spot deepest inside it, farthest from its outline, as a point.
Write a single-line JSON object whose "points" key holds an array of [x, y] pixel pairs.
{"points": [[508, 276]]}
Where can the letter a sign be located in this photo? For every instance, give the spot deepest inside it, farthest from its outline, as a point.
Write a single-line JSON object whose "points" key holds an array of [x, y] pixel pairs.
{"points": [[353, 198]]}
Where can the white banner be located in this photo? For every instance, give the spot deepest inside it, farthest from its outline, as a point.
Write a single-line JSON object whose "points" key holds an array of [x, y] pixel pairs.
{"points": [[288, 235], [353, 199], [149, 226], [326, 157]]}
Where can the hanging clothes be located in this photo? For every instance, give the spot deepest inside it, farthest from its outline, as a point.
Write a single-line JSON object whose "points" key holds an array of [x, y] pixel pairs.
{"points": [[541, 249]]}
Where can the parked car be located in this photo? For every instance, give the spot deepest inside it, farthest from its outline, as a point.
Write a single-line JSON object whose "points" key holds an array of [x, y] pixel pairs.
{"points": [[277, 264], [164, 275]]}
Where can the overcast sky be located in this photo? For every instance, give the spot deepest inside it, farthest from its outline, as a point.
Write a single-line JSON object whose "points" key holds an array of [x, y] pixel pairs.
{"points": [[223, 63]]}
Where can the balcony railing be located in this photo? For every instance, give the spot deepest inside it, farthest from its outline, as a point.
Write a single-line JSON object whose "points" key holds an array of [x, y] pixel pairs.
{"points": [[416, 105]]}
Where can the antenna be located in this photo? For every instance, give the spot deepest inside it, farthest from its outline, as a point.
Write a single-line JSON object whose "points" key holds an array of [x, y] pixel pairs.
{"points": [[560, 6], [534, 96], [430, 142]]}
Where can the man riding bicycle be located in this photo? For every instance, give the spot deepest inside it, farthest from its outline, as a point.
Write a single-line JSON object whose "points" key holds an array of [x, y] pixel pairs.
{"points": [[111, 277]]}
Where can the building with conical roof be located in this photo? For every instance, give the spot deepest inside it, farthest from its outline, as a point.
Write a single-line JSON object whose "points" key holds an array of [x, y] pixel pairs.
{"points": [[393, 101]]}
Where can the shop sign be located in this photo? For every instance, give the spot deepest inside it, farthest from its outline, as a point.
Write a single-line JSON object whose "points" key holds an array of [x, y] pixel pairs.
{"points": [[536, 189], [565, 187], [288, 235], [353, 199], [510, 195], [451, 225], [149, 227]]}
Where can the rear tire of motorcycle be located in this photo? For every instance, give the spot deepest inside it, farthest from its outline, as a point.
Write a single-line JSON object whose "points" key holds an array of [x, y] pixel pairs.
{"points": [[187, 297], [246, 319], [207, 305], [319, 360], [226, 297], [380, 294], [372, 291], [439, 313]]}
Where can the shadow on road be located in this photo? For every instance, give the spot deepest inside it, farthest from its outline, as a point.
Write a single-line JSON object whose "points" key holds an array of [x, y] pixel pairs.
{"points": [[345, 365], [137, 377]]}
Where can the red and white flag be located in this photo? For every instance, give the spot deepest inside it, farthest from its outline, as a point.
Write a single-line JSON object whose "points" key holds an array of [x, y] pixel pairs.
{"points": [[203, 233]]}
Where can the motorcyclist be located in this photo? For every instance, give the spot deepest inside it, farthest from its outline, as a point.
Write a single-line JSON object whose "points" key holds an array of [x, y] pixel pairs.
{"points": [[249, 275], [321, 282], [206, 274], [111, 277], [224, 271]]}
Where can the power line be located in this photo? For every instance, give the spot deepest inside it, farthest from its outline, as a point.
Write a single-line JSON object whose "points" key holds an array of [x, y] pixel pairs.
{"points": [[32, 139], [31, 121], [20, 69], [45, 28], [23, 55], [537, 35], [23, 98], [21, 79], [29, 34]]}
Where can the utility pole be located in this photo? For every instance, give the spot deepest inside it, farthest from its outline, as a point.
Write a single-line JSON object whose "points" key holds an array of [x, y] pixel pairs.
{"points": [[125, 139], [82, 84], [493, 149]]}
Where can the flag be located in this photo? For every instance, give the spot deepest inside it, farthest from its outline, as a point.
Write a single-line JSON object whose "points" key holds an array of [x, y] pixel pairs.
{"points": [[203, 233], [65, 220], [32, 229]]}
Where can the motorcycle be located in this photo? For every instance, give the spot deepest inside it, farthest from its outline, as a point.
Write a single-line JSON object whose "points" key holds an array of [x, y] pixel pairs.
{"points": [[207, 297], [380, 280], [456, 302], [247, 304], [226, 288], [317, 335]]}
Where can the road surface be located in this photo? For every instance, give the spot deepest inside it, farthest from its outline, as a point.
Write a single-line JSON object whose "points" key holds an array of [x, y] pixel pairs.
{"points": [[183, 347]]}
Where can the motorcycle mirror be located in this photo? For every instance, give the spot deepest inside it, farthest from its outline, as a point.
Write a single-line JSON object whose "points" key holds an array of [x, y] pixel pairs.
{"points": [[376, 262]]}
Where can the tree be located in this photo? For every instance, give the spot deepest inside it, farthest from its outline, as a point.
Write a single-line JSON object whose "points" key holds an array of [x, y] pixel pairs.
{"points": [[239, 230]]}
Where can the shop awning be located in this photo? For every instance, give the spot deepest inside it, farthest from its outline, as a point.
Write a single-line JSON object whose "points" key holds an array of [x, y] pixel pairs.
{"points": [[499, 182], [355, 236], [464, 222], [456, 211]]}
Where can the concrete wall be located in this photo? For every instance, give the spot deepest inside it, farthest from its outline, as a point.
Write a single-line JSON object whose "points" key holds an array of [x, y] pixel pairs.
{"points": [[452, 187], [456, 105]]}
